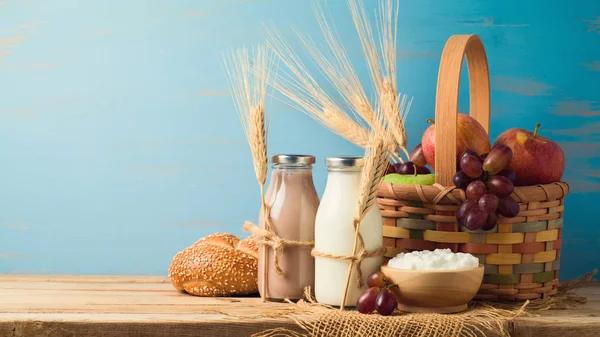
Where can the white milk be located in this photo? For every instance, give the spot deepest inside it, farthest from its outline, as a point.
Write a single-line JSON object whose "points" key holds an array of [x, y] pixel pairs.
{"points": [[334, 233]]}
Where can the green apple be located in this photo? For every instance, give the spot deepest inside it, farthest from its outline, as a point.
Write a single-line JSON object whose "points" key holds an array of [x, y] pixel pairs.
{"points": [[409, 179]]}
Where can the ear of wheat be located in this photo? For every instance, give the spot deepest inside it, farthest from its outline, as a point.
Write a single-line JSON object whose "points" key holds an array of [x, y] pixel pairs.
{"points": [[375, 165], [305, 94], [394, 106], [248, 73], [335, 64]]}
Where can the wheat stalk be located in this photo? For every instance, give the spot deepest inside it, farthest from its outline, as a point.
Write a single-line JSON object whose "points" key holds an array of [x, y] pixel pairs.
{"points": [[248, 74], [306, 95], [334, 63], [346, 127], [367, 40], [394, 106], [374, 167]]}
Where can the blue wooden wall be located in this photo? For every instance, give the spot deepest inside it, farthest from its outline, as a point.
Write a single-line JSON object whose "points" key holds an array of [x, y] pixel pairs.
{"points": [[119, 144]]}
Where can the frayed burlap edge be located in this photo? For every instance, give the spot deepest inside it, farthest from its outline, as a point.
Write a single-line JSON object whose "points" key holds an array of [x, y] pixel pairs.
{"points": [[565, 298], [481, 318]]}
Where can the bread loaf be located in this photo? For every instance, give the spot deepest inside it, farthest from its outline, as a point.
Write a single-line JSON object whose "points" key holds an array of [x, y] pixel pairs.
{"points": [[219, 264]]}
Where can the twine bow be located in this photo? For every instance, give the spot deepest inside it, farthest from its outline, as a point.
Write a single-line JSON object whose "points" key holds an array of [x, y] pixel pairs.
{"points": [[268, 238], [363, 253]]}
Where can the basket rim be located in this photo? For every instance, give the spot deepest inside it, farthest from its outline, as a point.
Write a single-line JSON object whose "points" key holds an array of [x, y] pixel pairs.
{"points": [[451, 195]]}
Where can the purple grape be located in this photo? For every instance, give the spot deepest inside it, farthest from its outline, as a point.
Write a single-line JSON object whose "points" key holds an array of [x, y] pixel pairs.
{"points": [[500, 186], [461, 180], [377, 279], [483, 156], [365, 304], [508, 207], [423, 170], [475, 218], [397, 166], [497, 159], [508, 173], [386, 302], [489, 203], [390, 169], [406, 168], [475, 190], [491, 222], [471, 166], [464, 208], [468, 152]]}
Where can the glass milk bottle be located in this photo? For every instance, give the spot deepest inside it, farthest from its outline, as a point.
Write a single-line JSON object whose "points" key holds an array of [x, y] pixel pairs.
{"points": [[334, 233], [293, 200]]}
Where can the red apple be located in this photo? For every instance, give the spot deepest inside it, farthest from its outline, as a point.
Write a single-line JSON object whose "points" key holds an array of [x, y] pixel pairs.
{"points": [[536, 159], [471, 135]]}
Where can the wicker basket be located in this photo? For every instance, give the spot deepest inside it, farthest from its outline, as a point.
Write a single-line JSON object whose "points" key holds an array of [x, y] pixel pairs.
{"points": [[521, 254]]}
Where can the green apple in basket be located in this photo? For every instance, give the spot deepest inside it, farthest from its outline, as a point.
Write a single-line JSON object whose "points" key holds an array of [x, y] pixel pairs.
{"points": [[409, 179], [412, 171], [409, 174]]}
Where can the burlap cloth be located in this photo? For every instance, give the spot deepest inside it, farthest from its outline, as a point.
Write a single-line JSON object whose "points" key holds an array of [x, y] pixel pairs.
{"points": [[481, 319]]}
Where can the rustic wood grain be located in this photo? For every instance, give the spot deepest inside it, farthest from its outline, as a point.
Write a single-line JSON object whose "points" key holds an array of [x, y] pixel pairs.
{"points": [[121, 306]]}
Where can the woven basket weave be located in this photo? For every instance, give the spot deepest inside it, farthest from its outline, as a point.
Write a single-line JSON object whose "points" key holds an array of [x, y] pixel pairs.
{"points": [[521, 255]]}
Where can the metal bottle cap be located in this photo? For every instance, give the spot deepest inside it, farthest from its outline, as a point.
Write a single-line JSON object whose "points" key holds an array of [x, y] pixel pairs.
{"points": [[344, 161], [293, 159]]}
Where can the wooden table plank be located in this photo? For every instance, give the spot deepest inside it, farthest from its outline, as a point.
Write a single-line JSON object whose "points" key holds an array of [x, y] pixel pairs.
{"points": [[121, 306]]}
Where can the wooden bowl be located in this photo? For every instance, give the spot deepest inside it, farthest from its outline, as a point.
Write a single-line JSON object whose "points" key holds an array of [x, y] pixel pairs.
{"points": [[440, 291]]}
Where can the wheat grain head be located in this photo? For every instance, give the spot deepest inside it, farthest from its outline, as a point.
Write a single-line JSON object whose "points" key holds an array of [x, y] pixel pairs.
{"points": [[394, 106], [375, 165], [248, 75], [334, 63], [305, 94]]}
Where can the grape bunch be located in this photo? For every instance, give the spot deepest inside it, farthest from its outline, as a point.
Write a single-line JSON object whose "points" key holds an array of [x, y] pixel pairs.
{"points": [[488, 183], [415, 164], [378, 297]]}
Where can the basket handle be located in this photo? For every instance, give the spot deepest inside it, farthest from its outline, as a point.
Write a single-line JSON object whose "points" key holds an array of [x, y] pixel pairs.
{"points": [[446, 106]]}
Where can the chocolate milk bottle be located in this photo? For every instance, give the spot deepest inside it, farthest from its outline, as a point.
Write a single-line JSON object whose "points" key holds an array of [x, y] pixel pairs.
{"points": [[294, 202]]}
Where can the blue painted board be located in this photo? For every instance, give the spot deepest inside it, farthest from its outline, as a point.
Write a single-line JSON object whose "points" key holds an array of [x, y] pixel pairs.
{"points": [[120, 144]]}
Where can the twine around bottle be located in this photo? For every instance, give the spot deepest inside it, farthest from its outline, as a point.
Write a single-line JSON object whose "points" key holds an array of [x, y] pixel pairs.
{"points": [[268, 238], [361, 254]]}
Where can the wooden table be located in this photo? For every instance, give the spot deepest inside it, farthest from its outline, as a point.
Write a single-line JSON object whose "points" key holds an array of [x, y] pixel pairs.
{"points": [[120, 306]]}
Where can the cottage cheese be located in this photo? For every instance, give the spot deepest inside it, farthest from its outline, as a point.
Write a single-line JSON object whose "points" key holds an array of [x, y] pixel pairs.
{"points": [[439, 259]]}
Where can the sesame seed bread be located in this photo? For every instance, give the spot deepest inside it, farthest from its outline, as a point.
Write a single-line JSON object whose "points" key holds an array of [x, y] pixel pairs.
{"points": [[219, 264]]}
